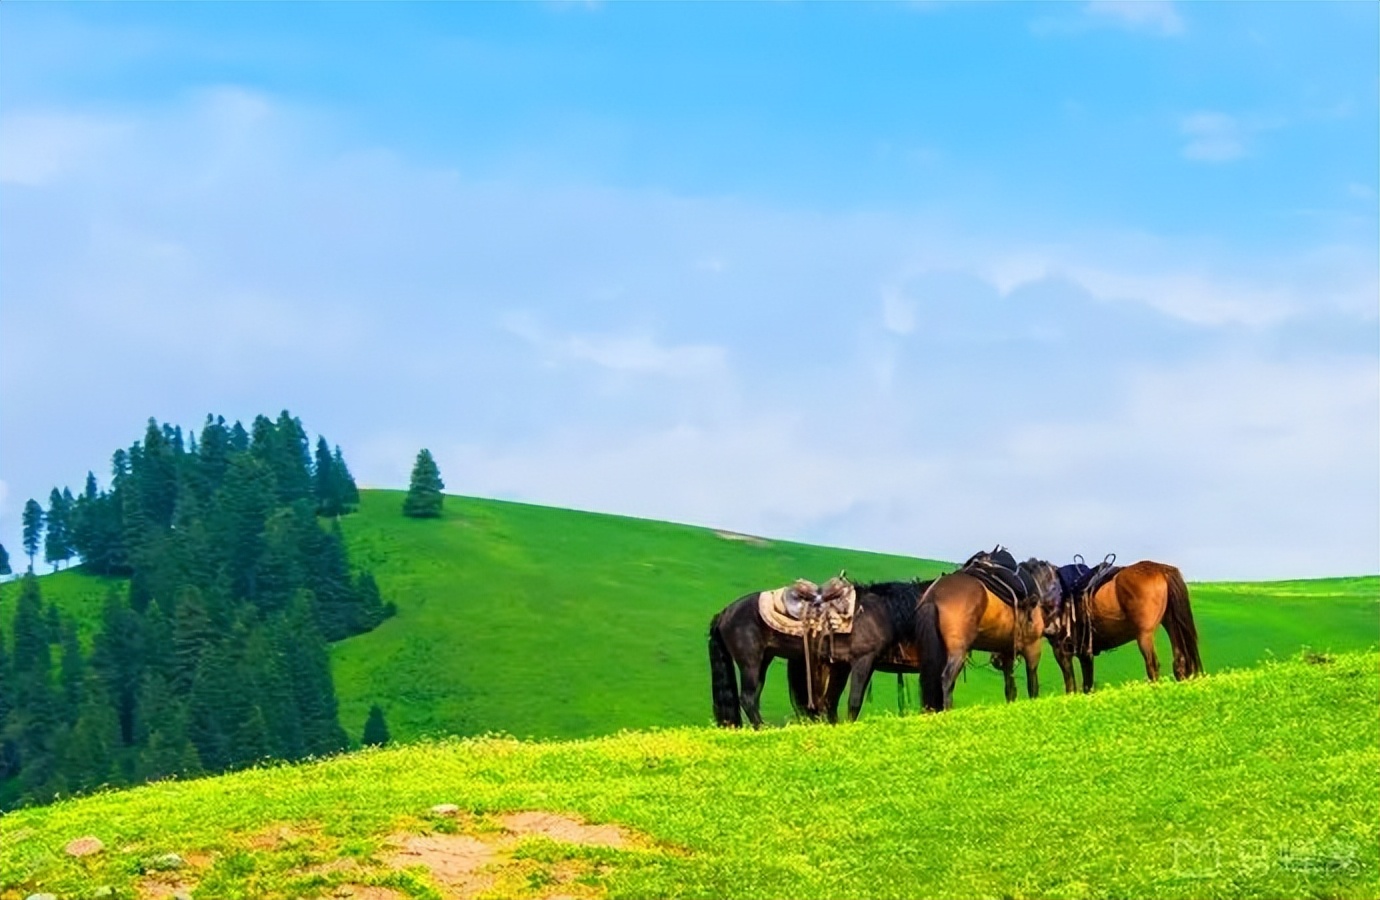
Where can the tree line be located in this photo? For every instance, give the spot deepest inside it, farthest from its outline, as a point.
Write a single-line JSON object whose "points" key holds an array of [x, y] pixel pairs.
{"points": [[211, 650]]}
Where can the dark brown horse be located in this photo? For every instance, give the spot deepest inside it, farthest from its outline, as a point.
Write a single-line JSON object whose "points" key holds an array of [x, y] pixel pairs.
{"points": [[1127, 607], [883, 618], [958, 614]]}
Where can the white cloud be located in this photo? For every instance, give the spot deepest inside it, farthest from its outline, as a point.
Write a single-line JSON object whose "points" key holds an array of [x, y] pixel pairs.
{"points": [[898, 313], [38, 147], [1192, 297], [1153, 16], [1360, 191], [632, 353], [1213, 137]]}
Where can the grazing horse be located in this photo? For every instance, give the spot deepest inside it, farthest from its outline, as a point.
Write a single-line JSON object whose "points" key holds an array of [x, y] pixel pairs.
{"points": [[959, 614], [1127, 607], [883, 617]]}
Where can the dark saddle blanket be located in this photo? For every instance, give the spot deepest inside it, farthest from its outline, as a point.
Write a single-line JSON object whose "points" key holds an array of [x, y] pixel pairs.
{"points": [[1079, 580], [999, 573]]}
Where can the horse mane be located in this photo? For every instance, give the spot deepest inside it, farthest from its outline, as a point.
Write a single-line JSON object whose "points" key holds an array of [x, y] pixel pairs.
{"points": [[899, 599]]}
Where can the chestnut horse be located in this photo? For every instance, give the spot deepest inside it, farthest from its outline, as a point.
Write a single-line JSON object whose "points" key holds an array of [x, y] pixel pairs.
{"points": [[1127, 607], [958, 614]]}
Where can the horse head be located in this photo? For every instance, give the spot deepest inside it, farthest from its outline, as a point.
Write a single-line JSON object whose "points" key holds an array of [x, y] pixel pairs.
{"points": [[1049, 593]]}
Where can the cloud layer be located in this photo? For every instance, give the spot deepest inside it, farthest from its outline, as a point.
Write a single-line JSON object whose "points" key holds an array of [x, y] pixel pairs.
{"points": [[870, 380]]}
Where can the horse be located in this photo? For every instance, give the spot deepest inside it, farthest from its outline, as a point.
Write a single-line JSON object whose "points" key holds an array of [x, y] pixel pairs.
{"points": [[958, 614], [1127, 607], [884, 616], [886, 643]]}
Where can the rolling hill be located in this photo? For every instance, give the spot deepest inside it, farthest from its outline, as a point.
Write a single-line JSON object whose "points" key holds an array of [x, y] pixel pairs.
{"points": [[552, 623], [1251, 784]]}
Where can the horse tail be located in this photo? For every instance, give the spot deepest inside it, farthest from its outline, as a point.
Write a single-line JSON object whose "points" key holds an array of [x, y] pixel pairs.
{"points": [[1178, 621], [727, 710], [932, 654]]}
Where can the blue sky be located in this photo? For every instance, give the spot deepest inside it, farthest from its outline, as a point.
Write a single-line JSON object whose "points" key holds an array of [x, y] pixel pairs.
{"points": [[908, 277]]}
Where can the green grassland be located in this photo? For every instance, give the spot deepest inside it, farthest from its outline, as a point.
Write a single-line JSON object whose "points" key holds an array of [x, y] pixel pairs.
{"points": [[544, 622], [1257, 783]]}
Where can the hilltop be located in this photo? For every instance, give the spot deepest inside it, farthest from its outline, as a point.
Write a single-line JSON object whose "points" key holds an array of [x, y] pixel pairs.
{"points": [[1257, 783]]}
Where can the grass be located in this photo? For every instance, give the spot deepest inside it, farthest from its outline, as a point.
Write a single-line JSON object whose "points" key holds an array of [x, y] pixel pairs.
{"points": [[552, 623], [1258, 783]]}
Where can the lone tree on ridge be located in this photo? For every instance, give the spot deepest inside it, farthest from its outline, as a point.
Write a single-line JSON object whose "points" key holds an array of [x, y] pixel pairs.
{"points": [[424, 495]]}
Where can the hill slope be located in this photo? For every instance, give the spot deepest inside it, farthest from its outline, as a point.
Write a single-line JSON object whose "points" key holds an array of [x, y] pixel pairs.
{"points": [[1251, 784], [555, 623]]}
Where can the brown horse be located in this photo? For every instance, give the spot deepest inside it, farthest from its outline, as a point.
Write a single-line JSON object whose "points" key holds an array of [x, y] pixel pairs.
{"points": [[958, 614], [1127, 607]]}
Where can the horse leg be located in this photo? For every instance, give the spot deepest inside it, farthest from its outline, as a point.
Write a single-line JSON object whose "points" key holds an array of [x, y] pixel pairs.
{"points": [[1006, 665], [838, 677], [1065, 661], [1146, 640], [1032, 670], [861, 675], [1085, 660], [952, 667], [753, 675]]}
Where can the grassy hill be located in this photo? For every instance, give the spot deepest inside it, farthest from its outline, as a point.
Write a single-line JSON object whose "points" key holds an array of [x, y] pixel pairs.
{"points": [[547, 622], [1259, 783]]}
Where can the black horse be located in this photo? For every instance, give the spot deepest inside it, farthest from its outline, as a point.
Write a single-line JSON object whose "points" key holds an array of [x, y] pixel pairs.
{"points": [[882, 639]]}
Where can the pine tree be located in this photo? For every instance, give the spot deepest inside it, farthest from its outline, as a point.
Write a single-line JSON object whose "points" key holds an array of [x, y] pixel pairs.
{"points": [[243, 505], [5, 561], [265, 670], [424, 497], [337, 601], [117, 658], [327, 482], [9, 763], [293, 459], [57, 545], [73, 673], [349, 492], [33, 529], [309, 666], [35, 724], [375, 728], [164, 746], [250, 743], [192, 635], [88, 749], [211, 718], [371, 608]]}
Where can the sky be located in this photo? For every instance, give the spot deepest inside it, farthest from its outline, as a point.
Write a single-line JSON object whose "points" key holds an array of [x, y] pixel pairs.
{"points": [[908, 277]]}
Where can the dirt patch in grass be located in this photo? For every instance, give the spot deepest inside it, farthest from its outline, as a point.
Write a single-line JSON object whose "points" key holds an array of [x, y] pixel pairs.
{"points": [[464, 865], [449, 857], [564, 829], [274, 837], [366, 892], [152, 889], [752, 539]]}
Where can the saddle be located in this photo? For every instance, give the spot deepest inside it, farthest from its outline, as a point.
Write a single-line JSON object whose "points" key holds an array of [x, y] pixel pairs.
{"points": [[1078, 582], [804, 608], [1000, 574]]}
